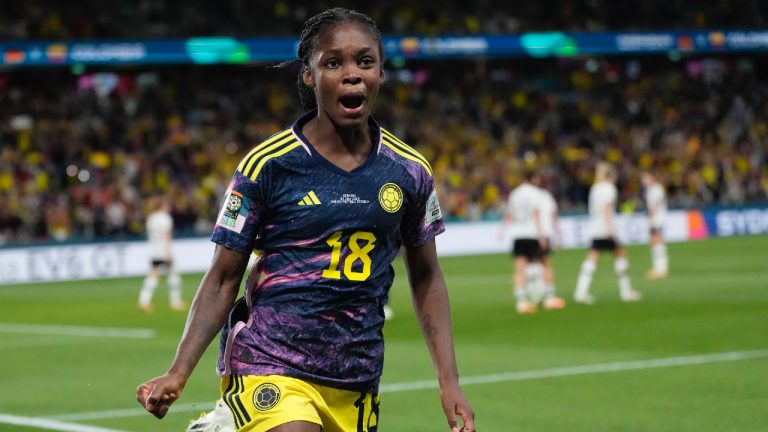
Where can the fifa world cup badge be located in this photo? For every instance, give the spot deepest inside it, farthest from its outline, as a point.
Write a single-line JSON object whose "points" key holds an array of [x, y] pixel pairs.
{"points": [[232, 215]]}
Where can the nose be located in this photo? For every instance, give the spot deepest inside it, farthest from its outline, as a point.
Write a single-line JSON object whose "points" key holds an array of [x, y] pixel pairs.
{"points": [[352, 75]]}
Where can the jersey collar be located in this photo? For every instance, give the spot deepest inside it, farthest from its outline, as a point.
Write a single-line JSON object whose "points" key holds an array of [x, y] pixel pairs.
{"points": [[373, 128]]}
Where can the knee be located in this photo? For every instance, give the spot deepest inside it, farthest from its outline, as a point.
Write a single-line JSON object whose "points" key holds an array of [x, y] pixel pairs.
{"points": [[174, 278], [621, 265], [588, 267]]}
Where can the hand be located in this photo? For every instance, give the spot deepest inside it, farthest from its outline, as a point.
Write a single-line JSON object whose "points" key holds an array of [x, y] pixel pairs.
{"points": [[543, 243], [455, 403], [157, 394], [557, 241]]}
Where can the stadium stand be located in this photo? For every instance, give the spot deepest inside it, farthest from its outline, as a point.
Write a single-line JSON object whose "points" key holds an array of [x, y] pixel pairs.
{"points": [[48, 19], [81, 151]]}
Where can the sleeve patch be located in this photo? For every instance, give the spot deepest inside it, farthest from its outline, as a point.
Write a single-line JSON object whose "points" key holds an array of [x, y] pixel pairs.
{"points": [[234, 212], [433, 211]]}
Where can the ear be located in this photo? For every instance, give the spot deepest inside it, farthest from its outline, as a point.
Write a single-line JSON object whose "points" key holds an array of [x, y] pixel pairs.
{"points": [[308, 77]]}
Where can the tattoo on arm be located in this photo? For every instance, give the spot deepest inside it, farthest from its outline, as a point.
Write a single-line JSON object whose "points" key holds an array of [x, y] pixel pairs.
{"points": [[430, 331]]}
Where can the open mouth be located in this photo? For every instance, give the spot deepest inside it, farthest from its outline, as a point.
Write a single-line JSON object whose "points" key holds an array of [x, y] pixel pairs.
{"points": [[352, 101]]}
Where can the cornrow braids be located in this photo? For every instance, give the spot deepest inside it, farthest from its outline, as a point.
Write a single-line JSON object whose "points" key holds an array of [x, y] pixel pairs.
{"points": [[313, 28]]}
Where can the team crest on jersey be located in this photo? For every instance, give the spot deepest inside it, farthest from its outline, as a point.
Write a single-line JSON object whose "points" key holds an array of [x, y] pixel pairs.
{"points": [[391, 197], [266, 396]]}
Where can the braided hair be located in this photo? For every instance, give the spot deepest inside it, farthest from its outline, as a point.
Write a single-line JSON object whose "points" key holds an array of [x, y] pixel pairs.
{"points": [[313, 28]]}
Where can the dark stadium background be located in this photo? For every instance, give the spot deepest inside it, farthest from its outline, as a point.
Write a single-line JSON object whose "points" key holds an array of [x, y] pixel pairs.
{"points": [[84, 146]]}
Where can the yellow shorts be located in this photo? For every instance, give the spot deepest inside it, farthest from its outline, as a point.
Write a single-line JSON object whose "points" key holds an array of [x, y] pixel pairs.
{"points": [[260, 403]]}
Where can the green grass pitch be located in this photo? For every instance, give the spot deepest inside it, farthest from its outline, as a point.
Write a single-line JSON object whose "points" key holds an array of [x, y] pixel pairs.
{"points": [[715, 301]]}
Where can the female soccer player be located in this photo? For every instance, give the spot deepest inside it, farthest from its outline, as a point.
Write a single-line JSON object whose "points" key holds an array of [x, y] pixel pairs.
{"points": [[159, 236], [602, 206], [656, 204], [326, 204]]}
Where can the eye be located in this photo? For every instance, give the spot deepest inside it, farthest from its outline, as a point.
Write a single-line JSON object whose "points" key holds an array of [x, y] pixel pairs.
{"points": [[367, 61], [332, 64]]}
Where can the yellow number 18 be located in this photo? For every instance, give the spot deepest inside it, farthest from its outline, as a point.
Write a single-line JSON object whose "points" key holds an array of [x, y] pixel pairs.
{"points": [[356, 253]]}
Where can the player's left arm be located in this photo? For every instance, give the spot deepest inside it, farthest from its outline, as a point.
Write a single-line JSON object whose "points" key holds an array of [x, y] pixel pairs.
{"points": [[557, 234], [608, 213], [539, 229], [506, 220], [430, 301], [167, 238]]}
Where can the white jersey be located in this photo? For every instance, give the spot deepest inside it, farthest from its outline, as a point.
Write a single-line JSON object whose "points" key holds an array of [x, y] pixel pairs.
{"points": [[159, 228], [656, 203], [547, 212], [602, 195], [523, 203]]}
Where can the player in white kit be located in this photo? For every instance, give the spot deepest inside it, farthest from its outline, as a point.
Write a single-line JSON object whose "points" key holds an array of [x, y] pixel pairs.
{"points": [[549, 227], [656, 204], [602, 206], [159, 227], [524, 213]]}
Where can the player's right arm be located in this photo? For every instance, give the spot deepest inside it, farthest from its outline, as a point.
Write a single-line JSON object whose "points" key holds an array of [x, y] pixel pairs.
{"points": [[608, 218], [557, 235], [507, 218], [538, 224], [654, 203], [207, 315], [609, 211]]}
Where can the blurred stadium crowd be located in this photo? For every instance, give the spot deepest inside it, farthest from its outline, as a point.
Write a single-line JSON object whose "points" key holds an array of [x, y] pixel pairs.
{"points": [[50, 19], [82, 152]]}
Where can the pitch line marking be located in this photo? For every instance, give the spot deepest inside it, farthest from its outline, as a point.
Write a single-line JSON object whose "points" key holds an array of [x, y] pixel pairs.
{"points": [[582, 370], [50, 424], [479, 379], [130, 412], [64, 330], [33, 344]]}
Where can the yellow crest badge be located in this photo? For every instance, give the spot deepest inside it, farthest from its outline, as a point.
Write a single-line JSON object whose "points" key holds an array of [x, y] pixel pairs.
{"points": [[391, 197]]}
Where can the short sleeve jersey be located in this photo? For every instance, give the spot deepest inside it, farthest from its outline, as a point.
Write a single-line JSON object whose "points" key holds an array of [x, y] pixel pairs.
{"points": [[655, 198], [547, 212], [522, 204], [159, 227], [601, 194], [325, 240]]}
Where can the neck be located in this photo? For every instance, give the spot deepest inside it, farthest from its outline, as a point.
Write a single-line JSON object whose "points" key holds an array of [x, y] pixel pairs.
{"points": [[345, 147], [328, 136]]}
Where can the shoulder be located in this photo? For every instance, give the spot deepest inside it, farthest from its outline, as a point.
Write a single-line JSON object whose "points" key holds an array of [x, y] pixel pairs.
{"points": [[526, 191], [157, 219], [600, 189], [404, 153], [276, 146], [605, 186]]}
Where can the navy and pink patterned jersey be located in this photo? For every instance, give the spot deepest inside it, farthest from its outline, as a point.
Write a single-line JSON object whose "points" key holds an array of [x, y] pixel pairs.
{"points": [[325, 240]]}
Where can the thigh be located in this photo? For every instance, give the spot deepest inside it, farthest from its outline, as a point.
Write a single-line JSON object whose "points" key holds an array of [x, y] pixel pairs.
{"points": [[271, 403], [297, 426]]}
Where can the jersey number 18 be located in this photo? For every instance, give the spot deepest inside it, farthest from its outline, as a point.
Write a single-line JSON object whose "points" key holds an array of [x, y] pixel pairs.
{"points": [[356, 253]]}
